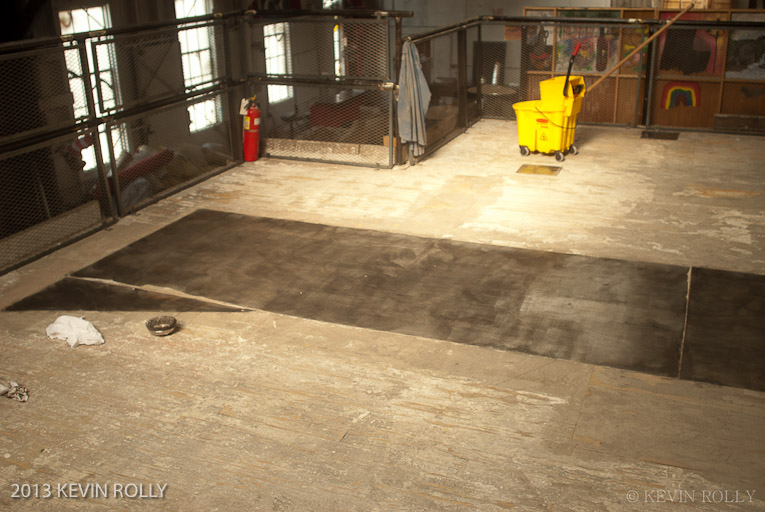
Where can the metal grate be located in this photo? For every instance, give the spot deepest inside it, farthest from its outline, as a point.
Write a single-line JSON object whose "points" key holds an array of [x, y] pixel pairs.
{"points": [[38, 92], [516, 57], [48, 198], [331, 123], [337, 49], [66, 125], [321, 88], [166, 153], [452, 73]]}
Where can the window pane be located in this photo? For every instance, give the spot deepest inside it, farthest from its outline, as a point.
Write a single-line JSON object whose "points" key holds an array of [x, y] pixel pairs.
{"points": [[79, 20], [203, 115], [102, 54], [96, 18]]}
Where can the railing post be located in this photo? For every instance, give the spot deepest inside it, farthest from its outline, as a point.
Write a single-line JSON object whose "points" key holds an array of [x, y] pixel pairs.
{"points": [[462, 77], [399, 43], [105, 180], [649, 84]]}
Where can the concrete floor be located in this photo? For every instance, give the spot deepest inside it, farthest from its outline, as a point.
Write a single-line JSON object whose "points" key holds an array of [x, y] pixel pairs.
{"points": [[264, 411]]}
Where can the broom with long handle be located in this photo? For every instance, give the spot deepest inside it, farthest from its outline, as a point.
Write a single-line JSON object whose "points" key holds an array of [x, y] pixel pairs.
{"points": [[642, 45]]}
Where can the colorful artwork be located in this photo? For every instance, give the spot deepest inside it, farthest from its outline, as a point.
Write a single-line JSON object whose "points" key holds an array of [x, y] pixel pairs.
{"points": [[631, 39], [691, 52], [746, 50], [540, 54], [597, 54], [681, 94]]}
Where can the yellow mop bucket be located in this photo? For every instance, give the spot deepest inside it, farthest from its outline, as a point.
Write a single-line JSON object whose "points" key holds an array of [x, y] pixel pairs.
{"points": [[547, 125]]}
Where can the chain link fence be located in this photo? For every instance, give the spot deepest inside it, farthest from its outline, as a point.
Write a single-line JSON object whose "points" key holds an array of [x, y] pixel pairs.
{"points": [[517, 56], [47, 198], [709, 76], [451, 65], [701, 73], [332, 99], [95, 126]]}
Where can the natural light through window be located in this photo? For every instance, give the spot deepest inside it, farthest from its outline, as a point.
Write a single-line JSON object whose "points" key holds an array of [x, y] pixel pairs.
{"points": [[74, 21], [198, 57], [339, 50], [276, 42]]}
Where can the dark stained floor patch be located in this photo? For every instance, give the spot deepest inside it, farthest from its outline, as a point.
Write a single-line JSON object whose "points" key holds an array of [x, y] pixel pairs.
{"points": [[72, 294], [594, 310], [725, 337]]}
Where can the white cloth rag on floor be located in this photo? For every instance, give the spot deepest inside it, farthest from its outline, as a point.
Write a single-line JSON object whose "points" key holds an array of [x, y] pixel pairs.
{"points": [[75, 330]]}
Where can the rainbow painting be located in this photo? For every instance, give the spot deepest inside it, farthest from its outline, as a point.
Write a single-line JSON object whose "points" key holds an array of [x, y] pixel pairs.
{"points": [[677, 94]]}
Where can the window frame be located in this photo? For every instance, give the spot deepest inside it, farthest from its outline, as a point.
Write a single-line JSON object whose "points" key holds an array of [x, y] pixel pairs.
{"points": [[76, 82], [201, 57], [278, 59]]}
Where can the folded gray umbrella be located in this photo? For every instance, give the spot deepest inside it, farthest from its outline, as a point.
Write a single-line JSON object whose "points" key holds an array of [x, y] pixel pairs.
{"points": [[413, 99]]}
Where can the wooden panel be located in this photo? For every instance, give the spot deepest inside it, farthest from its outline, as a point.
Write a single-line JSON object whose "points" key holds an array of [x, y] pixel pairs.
{"points": [[744, 98], [531, 91], [698, 116], [697, 4], [625, 104], [741, 123], [688, 52], [598, 106], [631, 39]]}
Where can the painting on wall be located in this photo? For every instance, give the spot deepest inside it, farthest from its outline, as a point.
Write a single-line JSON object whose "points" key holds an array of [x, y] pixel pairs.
{"points": [[598, 53], [684, 51], [746, 50], [539, 42], [631, 39], [681, 94]]}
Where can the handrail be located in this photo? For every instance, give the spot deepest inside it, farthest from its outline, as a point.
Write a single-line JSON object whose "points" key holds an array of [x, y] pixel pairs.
{"points": [[525, 20], [42, 42], [329, 13]]}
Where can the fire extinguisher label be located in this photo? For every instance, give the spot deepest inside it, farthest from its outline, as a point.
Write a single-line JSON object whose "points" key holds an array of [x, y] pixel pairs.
{"points": [[246, 122], [256, 121]]}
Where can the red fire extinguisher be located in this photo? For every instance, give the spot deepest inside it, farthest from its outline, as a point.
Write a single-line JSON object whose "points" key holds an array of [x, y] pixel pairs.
{"points": [[251, 135]]}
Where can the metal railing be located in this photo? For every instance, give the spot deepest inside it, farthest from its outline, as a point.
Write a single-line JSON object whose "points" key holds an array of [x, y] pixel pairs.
{"points": [[702, 74], [94, 126], [97, 125], [334, 102]]}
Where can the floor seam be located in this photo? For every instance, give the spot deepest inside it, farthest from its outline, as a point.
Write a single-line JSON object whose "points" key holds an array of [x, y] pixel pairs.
{"points": [[685, 322], [162, 289]]}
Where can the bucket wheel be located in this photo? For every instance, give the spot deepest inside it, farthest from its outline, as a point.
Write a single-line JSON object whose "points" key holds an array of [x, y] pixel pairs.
{"points": [[559, 156], [525, 151], [573, 150]]}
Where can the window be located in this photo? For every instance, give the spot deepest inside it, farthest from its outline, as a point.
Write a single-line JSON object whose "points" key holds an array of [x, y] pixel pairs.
{"points": [[198, 57], [338, 47], [73, 21], [276, 42]]}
